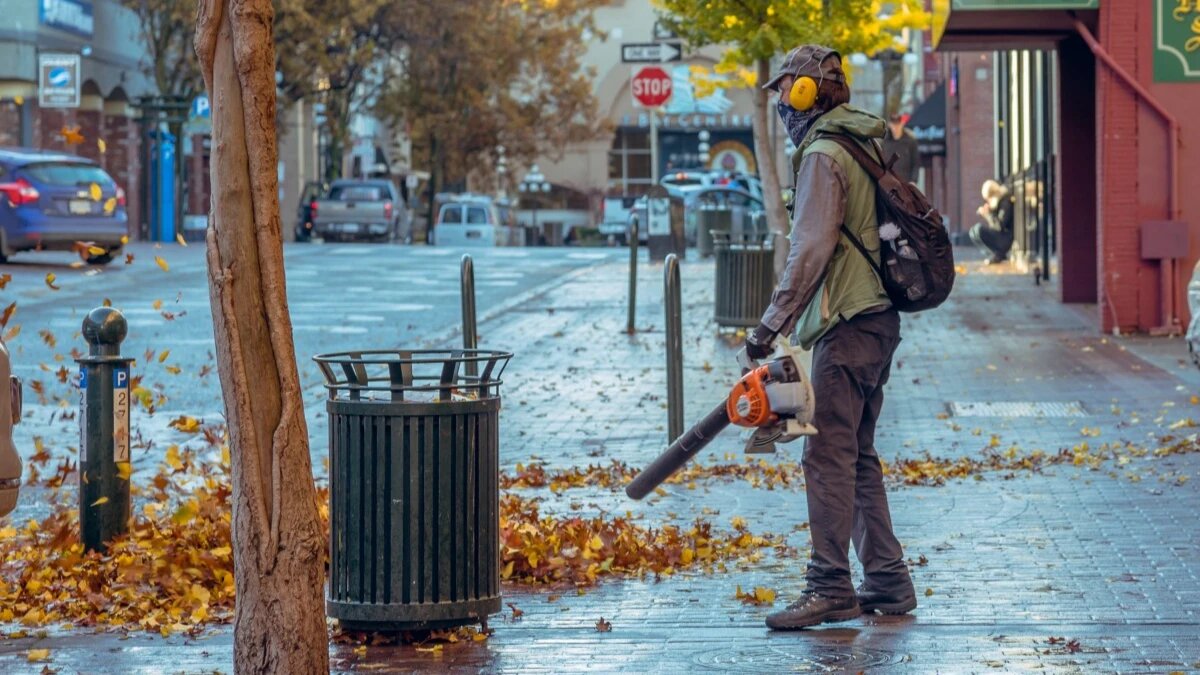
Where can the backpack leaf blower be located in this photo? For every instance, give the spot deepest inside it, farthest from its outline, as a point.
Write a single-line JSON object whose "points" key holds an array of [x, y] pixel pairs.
{"points": [[775, 399]]}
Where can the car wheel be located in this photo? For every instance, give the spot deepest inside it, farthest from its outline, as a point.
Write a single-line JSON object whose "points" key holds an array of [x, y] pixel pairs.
{"points": [[104, 258]]}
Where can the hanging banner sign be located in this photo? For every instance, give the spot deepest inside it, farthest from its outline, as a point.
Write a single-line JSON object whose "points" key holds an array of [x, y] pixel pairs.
{"points": [[1176, 40]]}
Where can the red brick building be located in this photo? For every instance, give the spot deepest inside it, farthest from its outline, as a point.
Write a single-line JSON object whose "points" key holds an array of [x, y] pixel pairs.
{"points": [[1088, 115]]}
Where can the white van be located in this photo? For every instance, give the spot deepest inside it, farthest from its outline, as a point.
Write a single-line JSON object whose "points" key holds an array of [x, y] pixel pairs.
{"points": [[467, 221]]}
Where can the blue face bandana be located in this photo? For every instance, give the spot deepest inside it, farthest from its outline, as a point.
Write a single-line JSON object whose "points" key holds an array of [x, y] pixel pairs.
{"points": [[795, 121]]}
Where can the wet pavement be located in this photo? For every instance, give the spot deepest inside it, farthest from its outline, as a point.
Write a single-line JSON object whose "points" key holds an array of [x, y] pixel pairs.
{"points": [[1081, 568]]}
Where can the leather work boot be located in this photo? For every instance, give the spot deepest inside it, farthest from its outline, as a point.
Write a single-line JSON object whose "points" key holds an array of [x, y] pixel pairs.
{"points": [[812, 609], [886, 603]]}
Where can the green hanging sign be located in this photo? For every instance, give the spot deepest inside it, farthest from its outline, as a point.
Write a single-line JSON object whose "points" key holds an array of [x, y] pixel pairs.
{"points": [[1176, 40]]}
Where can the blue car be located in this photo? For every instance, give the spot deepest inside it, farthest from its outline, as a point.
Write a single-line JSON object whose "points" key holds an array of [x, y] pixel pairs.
{"points": [[57, 202]]}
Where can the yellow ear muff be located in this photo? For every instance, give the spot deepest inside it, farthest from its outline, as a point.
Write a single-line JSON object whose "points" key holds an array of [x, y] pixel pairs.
{"points": [[803, 95]]}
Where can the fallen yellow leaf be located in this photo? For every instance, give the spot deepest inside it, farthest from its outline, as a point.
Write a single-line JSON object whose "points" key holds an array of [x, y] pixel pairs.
{"points": [[35, 655], [165, 353], [157, 304], [162, 263]]}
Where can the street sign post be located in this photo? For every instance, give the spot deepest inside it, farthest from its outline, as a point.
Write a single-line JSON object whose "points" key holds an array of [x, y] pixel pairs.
{"points": [[651, 52], [652, 87]]}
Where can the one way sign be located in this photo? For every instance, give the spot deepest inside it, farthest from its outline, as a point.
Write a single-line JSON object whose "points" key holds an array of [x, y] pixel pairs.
{"points": [[650, 52]]}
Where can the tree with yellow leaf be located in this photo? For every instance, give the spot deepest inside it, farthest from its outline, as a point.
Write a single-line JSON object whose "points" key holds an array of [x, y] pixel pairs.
{"points": [[755, 31]]}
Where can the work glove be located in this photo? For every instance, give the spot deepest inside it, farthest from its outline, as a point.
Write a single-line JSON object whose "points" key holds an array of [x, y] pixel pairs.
{"points": [[761, 343]]}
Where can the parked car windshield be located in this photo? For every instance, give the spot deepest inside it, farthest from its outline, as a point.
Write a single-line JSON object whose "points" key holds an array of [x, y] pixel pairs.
{"points": [[67, 174], [357, 193]]}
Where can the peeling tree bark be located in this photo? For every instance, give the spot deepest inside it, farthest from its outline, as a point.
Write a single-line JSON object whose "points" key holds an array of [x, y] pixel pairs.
{"points": [[278, 543]]}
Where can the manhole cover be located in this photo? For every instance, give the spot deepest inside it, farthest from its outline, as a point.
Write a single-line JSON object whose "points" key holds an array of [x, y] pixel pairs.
{"points": [[1017, 409], [813, 658]]}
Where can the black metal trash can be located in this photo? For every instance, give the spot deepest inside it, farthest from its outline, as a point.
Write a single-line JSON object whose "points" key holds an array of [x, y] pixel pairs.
{"points": [[708, 222], [413, 487], [745, 280]]}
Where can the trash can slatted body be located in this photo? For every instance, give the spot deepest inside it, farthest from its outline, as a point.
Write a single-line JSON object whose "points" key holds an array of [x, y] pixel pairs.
{"points": [[745, 280], [414, 507]]}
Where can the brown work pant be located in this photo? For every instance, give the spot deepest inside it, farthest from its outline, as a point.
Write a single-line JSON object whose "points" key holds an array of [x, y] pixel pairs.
{"points": [[844, 480]]}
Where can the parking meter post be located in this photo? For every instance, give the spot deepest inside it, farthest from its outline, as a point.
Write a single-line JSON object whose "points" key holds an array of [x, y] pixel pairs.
{"points": [[674, 310], [104, 395], [633, 260], [469, 329], [10, 415]]}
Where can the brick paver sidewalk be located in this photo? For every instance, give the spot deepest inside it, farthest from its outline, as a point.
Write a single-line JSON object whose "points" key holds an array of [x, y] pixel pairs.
{"points": [[1104, 555]]}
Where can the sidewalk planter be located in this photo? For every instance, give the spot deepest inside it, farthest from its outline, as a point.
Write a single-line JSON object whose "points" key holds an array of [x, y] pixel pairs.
{"points": [[745, 279], [709, 221], [413, 487]]}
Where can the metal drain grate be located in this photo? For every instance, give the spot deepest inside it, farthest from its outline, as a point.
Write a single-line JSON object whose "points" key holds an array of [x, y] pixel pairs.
{"points": [[1017, 409]]}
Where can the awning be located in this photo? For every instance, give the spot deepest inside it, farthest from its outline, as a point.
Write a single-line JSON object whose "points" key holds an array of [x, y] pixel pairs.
{"points": [[981, 25], [928, 123]]}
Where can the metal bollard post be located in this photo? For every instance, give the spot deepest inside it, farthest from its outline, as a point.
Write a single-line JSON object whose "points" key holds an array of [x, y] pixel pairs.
{"points": [[469, 329], [10, 415], [673, 303], [633, 261], [104, 430]]}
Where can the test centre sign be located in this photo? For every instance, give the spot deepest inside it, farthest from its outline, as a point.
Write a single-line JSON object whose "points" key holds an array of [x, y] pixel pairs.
{"points": [[58, 80]]}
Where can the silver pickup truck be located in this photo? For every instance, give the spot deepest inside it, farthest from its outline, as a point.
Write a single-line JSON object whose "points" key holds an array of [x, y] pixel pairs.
{"points": [[368, 210]]}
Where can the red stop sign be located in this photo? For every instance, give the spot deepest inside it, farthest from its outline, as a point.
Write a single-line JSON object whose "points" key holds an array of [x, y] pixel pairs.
{"points": [[652, 86]]}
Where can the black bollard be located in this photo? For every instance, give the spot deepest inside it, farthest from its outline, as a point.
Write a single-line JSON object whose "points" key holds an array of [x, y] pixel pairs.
{"points": [[673, 304], [630, 328], [104, 395]]}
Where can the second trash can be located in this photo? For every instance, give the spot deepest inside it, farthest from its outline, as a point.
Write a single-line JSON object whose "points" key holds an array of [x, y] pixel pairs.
{"points": [[745, 280], [413, 487]]}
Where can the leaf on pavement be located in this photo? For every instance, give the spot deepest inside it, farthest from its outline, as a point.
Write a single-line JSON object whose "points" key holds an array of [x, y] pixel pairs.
{"points": [[188, 425], [603, 626], [163, 356], [516, 611], [157, 304], [5, 278], [35, 655], [128, 258], [50, 277], [162, 263]]}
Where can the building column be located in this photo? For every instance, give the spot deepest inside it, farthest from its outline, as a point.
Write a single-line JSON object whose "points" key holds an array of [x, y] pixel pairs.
{"points": [[1077, 178], [1128, 286]]}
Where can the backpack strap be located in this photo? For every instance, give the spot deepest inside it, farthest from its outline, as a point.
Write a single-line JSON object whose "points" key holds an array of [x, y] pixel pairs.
{"points": [[874, 166], [863, 250]]}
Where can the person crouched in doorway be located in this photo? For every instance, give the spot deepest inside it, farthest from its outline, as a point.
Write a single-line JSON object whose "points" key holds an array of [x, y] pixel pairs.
{"points": [[994, 236]]}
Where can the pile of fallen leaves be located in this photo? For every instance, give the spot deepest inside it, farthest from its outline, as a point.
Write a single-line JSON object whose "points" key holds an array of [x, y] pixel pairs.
{"points": [[173, 572], [759, 473], [923, 470], [547, 549]]}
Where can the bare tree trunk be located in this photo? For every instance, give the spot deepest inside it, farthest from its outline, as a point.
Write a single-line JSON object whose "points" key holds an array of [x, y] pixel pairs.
{"points": [[768, 170], [278, 544]]}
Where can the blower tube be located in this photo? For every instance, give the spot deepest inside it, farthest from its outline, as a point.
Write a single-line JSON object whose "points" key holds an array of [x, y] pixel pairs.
{"points": [[681, 451]]}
